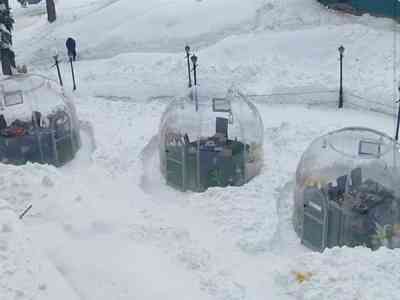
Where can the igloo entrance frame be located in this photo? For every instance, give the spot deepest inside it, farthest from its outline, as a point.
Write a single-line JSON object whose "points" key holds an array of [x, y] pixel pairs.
{"points": [[38, 122], [348, 191], [210, 141]]}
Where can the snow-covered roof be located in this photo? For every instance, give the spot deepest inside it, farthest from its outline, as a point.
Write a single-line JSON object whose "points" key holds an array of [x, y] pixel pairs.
{"points": [[21, 95]]}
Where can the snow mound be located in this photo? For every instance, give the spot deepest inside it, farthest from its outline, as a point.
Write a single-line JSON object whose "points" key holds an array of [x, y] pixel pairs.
{"points": [[343, 273], [25, 274]]}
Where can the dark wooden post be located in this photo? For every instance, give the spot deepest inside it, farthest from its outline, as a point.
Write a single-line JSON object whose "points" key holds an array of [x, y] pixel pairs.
{"points": [[51, 11]]}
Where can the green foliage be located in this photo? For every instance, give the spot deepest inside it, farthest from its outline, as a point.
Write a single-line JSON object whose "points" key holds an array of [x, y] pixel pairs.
{"points": [[6, 25], [5, 15], [382, 236]]}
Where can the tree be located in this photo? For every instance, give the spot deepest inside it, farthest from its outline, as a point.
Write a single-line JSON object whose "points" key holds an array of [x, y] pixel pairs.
{"points": [[51, 11], [6, 26]]}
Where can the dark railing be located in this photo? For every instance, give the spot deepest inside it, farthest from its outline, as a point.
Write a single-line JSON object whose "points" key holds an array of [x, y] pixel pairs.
{"points": [[382, 8]]}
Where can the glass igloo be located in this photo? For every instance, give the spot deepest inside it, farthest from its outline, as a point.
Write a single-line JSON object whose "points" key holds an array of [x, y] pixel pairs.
{"points": [[38, 122], [208, 141], [347, 191]]}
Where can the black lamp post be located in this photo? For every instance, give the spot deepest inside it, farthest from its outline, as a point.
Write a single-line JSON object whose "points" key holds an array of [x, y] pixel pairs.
{"points": [[394, 75], [341, 50], [73, 73], [56, 63], [194, 62], [398, 119], [187, 49]]}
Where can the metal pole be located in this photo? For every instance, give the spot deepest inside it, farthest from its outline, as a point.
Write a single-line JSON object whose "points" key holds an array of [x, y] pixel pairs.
{"points": [[394, 67], [195, 74], [194, 61], [58, 69], [187, 49], [73, 73], [398, 122], [341, 82]]}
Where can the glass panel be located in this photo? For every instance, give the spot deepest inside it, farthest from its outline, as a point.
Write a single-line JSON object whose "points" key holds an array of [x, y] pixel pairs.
{"points": [[42, 128], [370, 148], [213, 138], [356, 168], [11, 99], [221, 105]]}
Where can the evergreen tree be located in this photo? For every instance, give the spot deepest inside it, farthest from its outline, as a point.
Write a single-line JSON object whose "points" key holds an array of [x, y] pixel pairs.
{"points": [[6, 26]]}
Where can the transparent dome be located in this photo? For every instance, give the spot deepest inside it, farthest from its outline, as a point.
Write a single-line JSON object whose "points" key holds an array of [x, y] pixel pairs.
{"points": [[214, 141], [347, 191], [38, 122]]}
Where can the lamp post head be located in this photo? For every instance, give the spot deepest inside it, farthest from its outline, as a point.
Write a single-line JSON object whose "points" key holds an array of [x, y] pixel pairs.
{"points": [[194, 59], [341, 49], [187, 49]]}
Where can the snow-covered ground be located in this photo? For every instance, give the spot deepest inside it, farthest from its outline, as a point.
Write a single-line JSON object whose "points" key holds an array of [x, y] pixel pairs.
{"points": [[25, 272], [108, 227]]}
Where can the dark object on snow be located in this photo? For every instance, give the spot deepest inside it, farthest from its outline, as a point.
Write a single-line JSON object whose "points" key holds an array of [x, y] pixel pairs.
{"points": [[51, 11], [3, 123], [25, 211], [71, 47]]}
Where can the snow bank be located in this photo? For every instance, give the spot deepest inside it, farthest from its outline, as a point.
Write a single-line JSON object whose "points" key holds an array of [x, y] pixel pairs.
{"points": [[25, 273], [343, 273]]}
